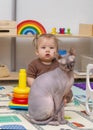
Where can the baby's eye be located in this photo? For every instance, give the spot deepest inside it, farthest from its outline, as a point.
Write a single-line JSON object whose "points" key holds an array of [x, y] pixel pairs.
{"points": [[43, 47], [51, 47]]}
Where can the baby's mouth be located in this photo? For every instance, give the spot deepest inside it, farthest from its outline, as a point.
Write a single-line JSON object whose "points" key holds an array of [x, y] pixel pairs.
{"points": [[47, 55]]}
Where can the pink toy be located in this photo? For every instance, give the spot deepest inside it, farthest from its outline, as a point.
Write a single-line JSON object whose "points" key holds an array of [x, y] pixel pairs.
{"points": [[62, 30]]}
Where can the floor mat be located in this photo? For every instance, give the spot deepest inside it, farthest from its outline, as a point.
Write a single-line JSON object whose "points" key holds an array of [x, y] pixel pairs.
{"points": [[5, 94], [14, 121], [74, 113], [82, 85], [79, 94]]}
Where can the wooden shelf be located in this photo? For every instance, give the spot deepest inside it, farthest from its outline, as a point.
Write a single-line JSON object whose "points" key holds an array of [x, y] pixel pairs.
{"points": [[58, 35], [74, 36], [13, 76]]}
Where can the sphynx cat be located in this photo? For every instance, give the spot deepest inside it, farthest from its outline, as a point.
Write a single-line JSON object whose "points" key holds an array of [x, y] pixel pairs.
{"points": [[45, 102]]}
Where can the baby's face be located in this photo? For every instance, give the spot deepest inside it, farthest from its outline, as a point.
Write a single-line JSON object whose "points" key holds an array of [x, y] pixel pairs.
{"points": [[46, 50]]}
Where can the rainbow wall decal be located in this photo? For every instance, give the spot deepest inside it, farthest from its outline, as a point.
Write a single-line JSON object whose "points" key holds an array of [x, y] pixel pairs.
{"points": [[30, 27]]}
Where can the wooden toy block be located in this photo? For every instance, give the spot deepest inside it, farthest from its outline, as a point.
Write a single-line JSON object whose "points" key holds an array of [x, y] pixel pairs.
{"points": [[8, 27], [86, 29], [4, 71]]}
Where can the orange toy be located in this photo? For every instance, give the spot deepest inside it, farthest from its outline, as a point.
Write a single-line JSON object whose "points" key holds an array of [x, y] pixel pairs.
{"points": [[16, 95]]}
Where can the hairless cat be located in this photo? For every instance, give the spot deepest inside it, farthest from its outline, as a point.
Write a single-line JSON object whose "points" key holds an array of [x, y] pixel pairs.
{"points": [[45, 102]]}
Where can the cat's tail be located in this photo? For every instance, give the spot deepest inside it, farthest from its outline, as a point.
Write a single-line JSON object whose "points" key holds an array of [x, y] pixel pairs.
{"points": [[45, 122]]}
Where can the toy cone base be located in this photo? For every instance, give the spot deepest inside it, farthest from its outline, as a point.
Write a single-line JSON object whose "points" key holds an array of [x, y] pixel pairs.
{"points": [[17, 106]]}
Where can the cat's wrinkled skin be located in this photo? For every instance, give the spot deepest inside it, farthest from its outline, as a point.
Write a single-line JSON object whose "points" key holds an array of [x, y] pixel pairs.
{"points": [[45, 102]]}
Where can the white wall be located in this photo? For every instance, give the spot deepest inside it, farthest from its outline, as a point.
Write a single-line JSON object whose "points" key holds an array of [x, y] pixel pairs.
{"points": [[56, 13], [7, 9]]}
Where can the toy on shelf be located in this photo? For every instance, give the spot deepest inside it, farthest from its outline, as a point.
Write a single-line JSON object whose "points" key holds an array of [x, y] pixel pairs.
{"points": [[30, 27], [20, 93], [68, 31], [54, 31], [62, 30]]}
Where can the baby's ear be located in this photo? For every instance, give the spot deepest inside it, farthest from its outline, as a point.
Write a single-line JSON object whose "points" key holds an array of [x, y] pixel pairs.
{"points": [[72, 51]]}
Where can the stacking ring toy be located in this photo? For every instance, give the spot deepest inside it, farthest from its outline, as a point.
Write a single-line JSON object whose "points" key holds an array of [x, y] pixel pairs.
{"points": [[16, 95], [20, 101]]}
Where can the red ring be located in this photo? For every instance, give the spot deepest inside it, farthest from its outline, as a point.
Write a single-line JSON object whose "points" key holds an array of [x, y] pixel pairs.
{"points": [[20, 101]]}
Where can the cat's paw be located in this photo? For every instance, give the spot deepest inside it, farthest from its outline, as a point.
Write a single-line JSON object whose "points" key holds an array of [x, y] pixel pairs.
{"points": [[64, 122]]}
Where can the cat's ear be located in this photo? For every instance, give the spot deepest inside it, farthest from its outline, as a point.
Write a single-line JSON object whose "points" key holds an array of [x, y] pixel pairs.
{"points": [[72, 51]]}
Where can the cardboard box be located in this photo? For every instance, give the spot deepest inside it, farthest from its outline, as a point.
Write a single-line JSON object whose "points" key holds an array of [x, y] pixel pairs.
{"points": [[86, 29]]}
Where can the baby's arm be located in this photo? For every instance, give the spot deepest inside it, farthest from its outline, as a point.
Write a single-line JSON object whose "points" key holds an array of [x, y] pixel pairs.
{"points": [[31, 73], [30, 81]]}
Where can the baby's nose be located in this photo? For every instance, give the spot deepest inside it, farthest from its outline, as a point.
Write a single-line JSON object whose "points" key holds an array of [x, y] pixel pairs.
{"points": [[47, 49]]}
